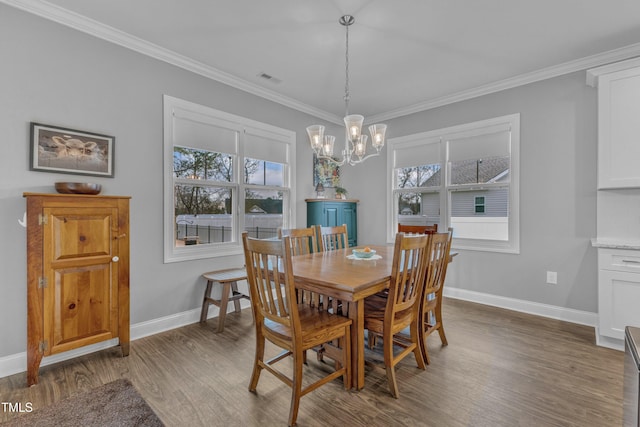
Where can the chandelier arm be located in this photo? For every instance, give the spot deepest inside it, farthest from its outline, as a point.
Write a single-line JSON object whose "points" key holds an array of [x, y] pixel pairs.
{"points": [[355, 162]]}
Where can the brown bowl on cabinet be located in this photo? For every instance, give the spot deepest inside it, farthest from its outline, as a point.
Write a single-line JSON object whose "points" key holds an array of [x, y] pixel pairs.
{"points": [[78, 188]]}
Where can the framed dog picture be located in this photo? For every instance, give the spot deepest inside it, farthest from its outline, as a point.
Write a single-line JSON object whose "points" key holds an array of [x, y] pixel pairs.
{"points": [[56, 149]]}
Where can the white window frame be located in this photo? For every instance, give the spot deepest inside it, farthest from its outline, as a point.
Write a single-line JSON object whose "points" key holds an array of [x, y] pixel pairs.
{"points": [[442, 136], [242, 126]]}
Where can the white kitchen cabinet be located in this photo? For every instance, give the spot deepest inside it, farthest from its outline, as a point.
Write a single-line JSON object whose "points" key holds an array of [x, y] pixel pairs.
{"points": [[618, 124], [618, 293]]}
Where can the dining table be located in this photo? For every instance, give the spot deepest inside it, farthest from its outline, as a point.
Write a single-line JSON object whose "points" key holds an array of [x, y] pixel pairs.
{"points": [[337, 274]]}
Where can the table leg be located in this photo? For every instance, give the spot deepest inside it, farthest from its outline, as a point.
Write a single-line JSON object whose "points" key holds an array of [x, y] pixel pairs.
{"points": [[356, 314]]}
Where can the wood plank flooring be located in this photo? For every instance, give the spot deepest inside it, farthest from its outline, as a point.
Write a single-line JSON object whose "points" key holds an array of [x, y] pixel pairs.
{"points": [[501, 368]]}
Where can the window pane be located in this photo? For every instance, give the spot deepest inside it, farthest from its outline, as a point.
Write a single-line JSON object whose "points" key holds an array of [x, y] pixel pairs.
{"points": [[491, 169], [263, 212], [418, 176], [203, 215], [260, 172], [419, 208], [202, 164], [491, 222]]}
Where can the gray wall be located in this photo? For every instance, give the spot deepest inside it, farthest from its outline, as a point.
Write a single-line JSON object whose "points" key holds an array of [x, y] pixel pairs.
{"points": [[55, 75], [557, 193]]}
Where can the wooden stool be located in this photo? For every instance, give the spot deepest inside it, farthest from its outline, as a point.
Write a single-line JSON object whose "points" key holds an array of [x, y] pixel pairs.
{"points": [[229, 281]]}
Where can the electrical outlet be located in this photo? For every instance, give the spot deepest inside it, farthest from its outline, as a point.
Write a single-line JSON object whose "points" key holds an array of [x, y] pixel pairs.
{"points": [[552, 277]]}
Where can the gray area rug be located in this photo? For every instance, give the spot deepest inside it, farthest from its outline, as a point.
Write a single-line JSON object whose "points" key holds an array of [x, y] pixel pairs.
{"points": [[114, 404]]}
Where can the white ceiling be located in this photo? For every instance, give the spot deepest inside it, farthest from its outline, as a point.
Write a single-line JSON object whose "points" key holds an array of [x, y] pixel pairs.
{"points": [[405, 55]]}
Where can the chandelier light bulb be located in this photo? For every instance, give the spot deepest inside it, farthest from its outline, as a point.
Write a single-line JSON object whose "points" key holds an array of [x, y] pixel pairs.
{"points": [[377, 132], [361, 146], [316, 137], [327, 147]]}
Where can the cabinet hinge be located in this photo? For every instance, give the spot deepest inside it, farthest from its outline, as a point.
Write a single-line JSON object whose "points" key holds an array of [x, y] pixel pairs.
{"points": [[42, 219], [44, 345], [42, 282]]}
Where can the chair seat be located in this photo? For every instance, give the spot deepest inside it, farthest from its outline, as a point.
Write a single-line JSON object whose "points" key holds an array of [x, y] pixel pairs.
{"points": [[374, 311], [318, 327]]}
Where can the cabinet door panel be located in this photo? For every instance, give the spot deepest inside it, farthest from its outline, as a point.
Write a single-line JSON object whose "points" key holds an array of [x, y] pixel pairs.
{"points": [[331, 216], [349, 217], [618, 129], [80, 307], [618, 295], [77, 234], [81, 294]]}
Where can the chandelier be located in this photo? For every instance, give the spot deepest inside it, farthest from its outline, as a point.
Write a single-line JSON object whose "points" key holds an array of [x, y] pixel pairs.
{"points": [[355, 145]]}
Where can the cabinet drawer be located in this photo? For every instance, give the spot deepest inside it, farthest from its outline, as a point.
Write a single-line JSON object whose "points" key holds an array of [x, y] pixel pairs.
{"points": [[619, 260]]}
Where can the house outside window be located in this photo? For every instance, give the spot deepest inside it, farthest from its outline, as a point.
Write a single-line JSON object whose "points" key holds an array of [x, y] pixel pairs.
{"points": [[479, 204], [224, 174], [465, 177]]}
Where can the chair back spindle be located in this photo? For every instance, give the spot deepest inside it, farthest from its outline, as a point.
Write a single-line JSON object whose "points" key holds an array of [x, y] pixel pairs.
{"points": [[332, 238]]}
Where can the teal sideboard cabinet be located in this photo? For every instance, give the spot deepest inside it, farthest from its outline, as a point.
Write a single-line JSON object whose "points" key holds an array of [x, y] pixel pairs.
{"points": [[332, 212]]}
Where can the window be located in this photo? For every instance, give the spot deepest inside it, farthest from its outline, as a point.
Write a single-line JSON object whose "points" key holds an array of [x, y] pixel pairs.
{"points": [[223, 175], [466, 177]]}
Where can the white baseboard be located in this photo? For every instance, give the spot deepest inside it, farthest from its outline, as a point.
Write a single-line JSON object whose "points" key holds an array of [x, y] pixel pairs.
{"points": [[545, 310], [609, 342], [16, 363]]}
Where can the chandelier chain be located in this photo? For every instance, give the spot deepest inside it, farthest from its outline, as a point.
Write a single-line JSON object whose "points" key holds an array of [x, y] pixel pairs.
{"points": [[346, 68]]}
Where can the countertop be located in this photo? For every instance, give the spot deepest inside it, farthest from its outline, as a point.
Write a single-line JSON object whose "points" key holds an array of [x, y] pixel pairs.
{"points": [[610, 243]]}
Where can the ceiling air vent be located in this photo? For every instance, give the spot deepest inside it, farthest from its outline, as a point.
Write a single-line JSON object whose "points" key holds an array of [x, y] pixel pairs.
{"points": [[270, 78]]}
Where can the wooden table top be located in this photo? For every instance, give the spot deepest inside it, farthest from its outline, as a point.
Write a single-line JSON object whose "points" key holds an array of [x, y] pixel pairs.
{"points": [[353, 277]]}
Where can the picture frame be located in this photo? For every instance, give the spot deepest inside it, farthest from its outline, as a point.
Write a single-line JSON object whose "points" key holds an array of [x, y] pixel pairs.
{"points": [[325, 172], [62, 150]]}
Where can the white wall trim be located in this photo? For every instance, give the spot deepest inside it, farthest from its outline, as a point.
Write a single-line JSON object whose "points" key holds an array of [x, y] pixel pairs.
{"points": [[545, 310], [16, 363], [89, 26]]}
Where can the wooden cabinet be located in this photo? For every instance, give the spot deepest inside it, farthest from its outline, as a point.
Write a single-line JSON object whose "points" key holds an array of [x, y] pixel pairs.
{"points": [[618, 125], [332, 212], [618, 293], [77, 274]]}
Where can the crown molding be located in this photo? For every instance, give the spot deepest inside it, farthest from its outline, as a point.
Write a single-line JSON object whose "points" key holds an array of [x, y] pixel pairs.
{"points": [[597, 60], [594, 73], [89, 26], [95, 28]]}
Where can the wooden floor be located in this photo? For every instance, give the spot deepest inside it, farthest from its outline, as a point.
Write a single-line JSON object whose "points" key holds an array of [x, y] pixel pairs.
{"points": [[501, 368]]}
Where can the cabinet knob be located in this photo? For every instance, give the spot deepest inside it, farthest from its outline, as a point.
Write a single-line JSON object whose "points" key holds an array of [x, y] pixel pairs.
{"points": [[115, 259]]}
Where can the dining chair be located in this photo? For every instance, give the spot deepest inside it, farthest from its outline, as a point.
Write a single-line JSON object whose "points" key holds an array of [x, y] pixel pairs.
{"points": [[418, 229], [431, 310], [387, 316], [331, 238], [292, 327], [303, 240]]}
